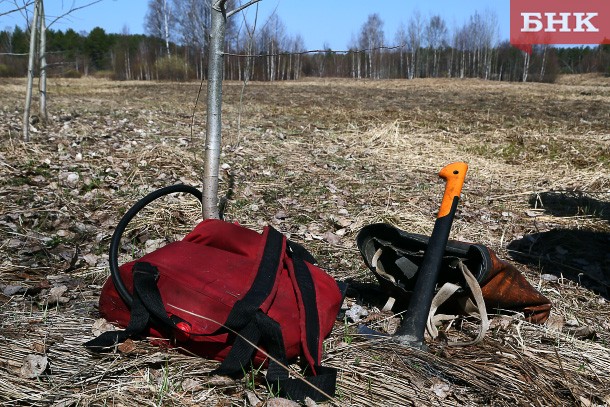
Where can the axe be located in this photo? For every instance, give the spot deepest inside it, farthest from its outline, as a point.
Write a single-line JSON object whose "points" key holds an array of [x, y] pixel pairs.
{"points": [[413, 325]]}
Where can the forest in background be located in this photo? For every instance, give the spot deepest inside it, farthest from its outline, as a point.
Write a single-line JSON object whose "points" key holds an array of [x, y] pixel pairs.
{"points": [[175, 48]]}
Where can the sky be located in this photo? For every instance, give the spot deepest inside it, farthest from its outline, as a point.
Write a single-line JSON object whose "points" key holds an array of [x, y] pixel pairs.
{"points": [[319, 22]]}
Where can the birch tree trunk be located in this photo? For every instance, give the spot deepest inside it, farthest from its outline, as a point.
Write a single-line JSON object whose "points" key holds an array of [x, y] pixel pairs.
{"points": [[213, 132], [166, 25], [42, 111], [450, 64], [543, 67], [216, 42], [526, 65], [28, 92]]}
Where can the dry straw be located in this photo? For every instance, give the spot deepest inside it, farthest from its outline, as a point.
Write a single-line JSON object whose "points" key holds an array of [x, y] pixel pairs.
{"points": [[318, 170]]}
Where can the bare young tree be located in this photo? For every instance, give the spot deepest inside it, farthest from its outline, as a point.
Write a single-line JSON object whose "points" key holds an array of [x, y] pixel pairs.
{"points": [[42, 111], [193, 18], [487, 39], [160, 21], [526, 65], [401, 40], [38, 29], [297, 47], [372, 39], [272, 39], [436, 38], [356, 62], [415, 30], [28, 95], [475, 40], [218, 27]]}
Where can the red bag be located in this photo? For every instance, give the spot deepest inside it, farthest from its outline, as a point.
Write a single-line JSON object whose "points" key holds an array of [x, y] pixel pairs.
{"points": [[222, 289]]}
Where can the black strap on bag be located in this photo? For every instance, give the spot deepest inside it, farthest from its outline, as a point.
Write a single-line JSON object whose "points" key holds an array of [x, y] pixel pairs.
{"points": [[146, 304], [251, 326], [263, 330]]}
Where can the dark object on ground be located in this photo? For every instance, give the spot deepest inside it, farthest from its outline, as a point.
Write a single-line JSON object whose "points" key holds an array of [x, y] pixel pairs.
{"points": [[394, 255], [580, 255], [571, 203]]}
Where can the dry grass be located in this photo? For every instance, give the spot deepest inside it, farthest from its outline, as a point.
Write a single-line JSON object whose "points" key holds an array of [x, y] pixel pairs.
{"points": [[311, 157]]}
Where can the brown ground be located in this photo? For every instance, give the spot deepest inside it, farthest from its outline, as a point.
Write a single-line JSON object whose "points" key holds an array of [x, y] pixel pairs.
{"points": [[318, 159]]}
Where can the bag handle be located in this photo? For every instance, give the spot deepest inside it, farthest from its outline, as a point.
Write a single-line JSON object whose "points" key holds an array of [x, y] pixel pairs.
{"points": [[115, 241]]}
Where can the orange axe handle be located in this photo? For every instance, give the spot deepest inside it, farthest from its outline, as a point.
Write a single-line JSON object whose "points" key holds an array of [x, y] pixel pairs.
{"points": [[454, 175]]}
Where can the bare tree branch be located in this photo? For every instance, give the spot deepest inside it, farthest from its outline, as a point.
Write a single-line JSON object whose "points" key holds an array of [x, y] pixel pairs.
{"points": [[72, 9], [240, 8], [19, 8]]}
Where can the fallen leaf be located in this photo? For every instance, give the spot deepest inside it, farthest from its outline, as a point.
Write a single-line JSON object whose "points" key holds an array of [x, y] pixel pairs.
{"points": [[331, 238], [220, 381], [154, 244], [33, 366], [356, 312], [344, 222], [100, 326], [310, 403], [62, 233], [441, 389], [253, 400], [549, 277], [500, 322], [91, 259], [280, 402], [340, 232], [72, 179], [13, 243], [56, 295], [583, 332], [127, 347], [39, 347], [555, 322], [192, 385]]}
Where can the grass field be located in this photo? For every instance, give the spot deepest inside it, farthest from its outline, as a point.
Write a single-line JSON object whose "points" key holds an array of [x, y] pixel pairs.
{"points": [[318, 160]]}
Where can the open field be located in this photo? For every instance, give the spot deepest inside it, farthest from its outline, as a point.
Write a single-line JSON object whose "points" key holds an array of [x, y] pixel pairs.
{"points": [[318, 159]]}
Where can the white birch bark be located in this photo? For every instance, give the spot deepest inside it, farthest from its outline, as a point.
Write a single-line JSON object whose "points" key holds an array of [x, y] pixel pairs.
{"points": [[28, 94], [42, 111]]}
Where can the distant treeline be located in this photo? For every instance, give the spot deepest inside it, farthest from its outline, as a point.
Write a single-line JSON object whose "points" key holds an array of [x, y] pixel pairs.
{"points": [[426, 50]]}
